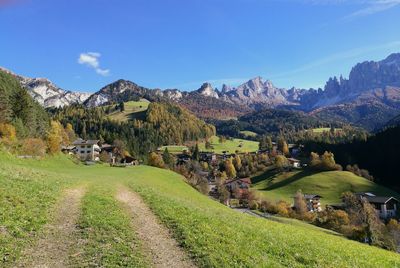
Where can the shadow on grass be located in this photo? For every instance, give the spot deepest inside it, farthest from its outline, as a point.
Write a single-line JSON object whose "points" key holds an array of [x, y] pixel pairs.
{"points": [[270, 174]]}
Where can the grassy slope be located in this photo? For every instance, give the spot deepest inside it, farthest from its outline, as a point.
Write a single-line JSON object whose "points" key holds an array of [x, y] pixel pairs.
{"points": [[213, 234], [330, 185], [248, 133], [325, 129], [174, 149], [230, 145], [132, 110]]}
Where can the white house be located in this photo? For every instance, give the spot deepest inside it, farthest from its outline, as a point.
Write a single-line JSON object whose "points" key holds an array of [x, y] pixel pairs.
{"points": [[88, 150], [386, 206], [294, 162]]}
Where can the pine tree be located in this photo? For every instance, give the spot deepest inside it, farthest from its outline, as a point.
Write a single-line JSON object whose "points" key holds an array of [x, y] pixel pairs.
{"points": [[5, 111], [167, 158], [196, 153]]}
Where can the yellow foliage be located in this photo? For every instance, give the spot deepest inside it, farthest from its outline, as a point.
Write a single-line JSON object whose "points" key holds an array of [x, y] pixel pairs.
{"points": [[7, 132], [55, 137]]}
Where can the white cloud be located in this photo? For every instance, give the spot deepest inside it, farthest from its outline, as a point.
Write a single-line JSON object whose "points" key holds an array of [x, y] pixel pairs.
{"points": [[91, 59], [365, 7], [373, 7]]}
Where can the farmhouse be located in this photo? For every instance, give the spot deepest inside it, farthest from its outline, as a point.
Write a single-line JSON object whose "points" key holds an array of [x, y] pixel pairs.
{"points": [[238, 188], [88, 150], [313, 202], [386, 206], [294, 162]]}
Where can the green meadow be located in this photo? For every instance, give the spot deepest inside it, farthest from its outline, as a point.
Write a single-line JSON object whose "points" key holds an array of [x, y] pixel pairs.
{"points": [[133, 109], [230, 145], [211, 234], [330, 185]]}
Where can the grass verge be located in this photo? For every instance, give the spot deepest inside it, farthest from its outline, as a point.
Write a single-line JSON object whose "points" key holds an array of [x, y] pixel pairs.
{"points": [[109, 239]]}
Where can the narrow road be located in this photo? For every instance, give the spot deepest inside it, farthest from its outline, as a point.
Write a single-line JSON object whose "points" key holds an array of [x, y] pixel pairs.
{"points": [[159, 246], [53, 247]]}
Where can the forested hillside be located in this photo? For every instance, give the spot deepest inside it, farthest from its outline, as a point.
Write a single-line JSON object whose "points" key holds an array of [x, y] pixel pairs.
{"points": [[379, 155], [293, 125], [19, 110], [163, 124]]}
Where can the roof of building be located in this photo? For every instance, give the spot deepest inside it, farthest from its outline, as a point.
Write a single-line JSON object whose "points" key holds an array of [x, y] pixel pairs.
{"points": [[311, 196], [380, 199], [293, 160], [85, 142], [372, 198], [244, 180]]}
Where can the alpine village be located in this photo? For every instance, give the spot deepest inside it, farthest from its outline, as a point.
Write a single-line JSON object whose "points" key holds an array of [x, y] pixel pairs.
{"points": [[245, 174]]}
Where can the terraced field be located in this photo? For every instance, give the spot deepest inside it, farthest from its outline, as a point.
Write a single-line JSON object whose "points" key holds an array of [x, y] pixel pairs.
{"points": [[105, 205]]}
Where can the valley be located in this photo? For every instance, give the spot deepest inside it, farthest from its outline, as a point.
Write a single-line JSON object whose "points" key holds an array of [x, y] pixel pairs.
{"points": [[190, 216]]}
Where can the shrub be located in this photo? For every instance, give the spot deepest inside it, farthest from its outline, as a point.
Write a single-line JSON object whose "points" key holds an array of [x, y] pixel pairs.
{"points": [[253, 205], [33, 147]]}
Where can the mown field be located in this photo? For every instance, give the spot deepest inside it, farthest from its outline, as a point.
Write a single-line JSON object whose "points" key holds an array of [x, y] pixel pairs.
{"points": [[230, 146], [248, 133], [133, 109], [174, 149], [212, 234], [330, 185], [324, 129]]}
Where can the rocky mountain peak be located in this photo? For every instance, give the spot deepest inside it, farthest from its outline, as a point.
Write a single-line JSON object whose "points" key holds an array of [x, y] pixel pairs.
{"points": [[207, 90], [47, 93]]}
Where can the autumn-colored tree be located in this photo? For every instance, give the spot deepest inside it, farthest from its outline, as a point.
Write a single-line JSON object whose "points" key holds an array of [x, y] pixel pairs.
{"points": [[281, 162], [54, 137], [7, 132], [69, 130], [315, 161], [230, 168], [283, 147], [300, 203], [33, 147], [237, 162], [155, 160]]}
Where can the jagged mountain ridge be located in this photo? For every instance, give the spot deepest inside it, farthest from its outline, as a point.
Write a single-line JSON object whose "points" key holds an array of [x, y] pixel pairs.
{"points": [[47, 93], [372, 92]]}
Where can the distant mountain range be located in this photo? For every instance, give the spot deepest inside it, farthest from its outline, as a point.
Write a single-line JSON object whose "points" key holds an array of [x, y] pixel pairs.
{"points": [[369, 97]]}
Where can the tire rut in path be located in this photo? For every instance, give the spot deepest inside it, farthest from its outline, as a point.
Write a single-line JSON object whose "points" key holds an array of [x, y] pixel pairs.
{"points": [[54, 245], [159, 246]]}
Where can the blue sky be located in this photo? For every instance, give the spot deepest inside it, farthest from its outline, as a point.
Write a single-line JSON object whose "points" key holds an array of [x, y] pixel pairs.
{"points": [[85, 44]]}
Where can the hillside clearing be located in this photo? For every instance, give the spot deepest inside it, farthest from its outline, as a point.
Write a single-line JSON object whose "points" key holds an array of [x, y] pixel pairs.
{"points": [[325, 129], [330, 185], [57, 241], [160, 247], [133, 109], [230, 145]]}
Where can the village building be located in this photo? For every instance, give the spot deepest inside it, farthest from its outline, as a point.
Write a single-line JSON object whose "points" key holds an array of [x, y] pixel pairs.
{"points": [[294, 162], [313, 202], [385, 206], [87, 150], [238, 188], [70, 149]]}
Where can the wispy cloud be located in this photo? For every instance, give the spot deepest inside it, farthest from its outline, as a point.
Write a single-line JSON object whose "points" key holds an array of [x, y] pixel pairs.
{"points": [[364, 7], [91, 59], [340, 56], [373, 7]]}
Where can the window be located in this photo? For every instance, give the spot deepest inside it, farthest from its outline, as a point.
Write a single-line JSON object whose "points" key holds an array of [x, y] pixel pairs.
{"points": [[82, 152], [88, 152]]}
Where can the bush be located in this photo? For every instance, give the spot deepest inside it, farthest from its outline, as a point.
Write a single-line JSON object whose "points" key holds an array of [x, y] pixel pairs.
{"points": [[253, 205], [33, 147]]}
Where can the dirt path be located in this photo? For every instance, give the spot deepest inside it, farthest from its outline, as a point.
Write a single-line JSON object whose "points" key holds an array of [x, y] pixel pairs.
{"points": [[54, 245], [159, 246]]}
